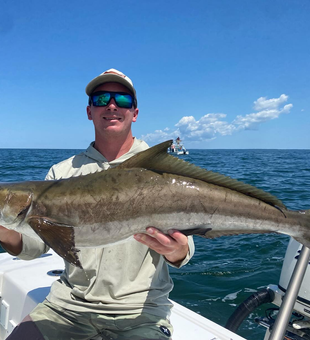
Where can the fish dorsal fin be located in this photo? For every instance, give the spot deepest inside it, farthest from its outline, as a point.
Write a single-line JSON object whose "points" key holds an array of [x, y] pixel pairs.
{"points": [[143, 158], [157, 159]]}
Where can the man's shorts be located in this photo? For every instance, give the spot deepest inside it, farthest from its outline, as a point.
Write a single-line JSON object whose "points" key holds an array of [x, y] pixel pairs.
{"points": [[51, 322]]}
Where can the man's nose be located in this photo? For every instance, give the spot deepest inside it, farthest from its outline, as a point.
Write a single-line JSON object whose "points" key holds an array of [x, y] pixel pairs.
{"points": [[112, 105]]}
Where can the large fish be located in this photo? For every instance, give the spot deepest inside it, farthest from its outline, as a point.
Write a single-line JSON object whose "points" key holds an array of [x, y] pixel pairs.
{"points": [[152, 188]]}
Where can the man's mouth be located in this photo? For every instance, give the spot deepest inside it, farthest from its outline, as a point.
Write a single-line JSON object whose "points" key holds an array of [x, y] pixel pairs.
{"points": [[111, 118]]}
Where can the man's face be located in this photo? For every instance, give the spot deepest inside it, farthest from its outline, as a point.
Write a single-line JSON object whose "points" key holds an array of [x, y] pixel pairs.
{"points": [[111, 119]]}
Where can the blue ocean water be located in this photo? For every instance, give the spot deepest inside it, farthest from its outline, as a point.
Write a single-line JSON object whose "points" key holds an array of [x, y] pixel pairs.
{"points": [[226, 270]]}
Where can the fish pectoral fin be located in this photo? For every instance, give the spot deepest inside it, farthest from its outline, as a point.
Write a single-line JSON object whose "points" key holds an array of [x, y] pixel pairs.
{"points": [[196, 231], [60, 237]]}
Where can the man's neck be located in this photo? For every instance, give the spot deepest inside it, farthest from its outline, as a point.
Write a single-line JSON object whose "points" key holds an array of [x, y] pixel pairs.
{"points": [[114, 148]]}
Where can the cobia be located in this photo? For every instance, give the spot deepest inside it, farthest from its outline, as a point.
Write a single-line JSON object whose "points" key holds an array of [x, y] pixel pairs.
{"points": [[152, 188]]}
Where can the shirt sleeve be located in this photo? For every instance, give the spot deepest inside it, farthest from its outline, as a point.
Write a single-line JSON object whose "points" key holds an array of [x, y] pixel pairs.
{"points": [[32, 248], [51, 174], [190, 253]]}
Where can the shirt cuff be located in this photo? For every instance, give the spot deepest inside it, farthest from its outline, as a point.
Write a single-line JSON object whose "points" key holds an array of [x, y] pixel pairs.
{"points": [[190, 253], [32, 248]]}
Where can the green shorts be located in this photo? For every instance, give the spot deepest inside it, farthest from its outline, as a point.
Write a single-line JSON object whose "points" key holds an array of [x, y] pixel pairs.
{"points": [[56, 323]]}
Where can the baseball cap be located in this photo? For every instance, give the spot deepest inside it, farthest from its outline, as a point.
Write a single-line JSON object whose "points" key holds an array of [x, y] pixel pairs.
{"points": [[111, 76]]}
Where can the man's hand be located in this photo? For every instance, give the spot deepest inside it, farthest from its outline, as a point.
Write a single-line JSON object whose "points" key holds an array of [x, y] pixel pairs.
{"points": [[11, 240], [173, 246]]}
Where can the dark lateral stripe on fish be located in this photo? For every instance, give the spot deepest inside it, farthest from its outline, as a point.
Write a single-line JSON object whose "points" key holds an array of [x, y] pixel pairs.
{"points": [[157, 160], [218, 233]]}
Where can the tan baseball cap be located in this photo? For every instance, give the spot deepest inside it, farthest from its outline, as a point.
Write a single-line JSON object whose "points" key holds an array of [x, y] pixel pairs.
{"points": [[111, 76]]}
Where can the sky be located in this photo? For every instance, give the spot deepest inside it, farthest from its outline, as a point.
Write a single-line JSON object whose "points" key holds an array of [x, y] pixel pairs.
{"points": [[219, 74]]}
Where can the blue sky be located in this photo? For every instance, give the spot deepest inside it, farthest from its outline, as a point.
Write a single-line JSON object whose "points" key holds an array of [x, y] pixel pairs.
{"points": [[219, 74]]}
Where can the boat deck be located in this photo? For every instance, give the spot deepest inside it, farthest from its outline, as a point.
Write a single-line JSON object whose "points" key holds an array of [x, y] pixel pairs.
{"points": [[23, 284]]}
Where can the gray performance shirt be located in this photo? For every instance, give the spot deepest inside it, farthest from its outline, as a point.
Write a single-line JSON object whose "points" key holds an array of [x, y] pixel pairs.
{"points": [[124, 278]]}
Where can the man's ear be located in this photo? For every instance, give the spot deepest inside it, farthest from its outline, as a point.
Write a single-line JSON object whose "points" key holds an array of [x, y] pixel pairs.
{"points": [[135, 115], [89, 116]]}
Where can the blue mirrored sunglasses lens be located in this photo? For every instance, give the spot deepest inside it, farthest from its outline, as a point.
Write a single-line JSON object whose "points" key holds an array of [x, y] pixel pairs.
{"points": [[123, 100], [101, 99]]}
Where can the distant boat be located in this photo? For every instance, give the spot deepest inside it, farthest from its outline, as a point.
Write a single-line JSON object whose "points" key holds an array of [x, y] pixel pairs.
{"points": [[178, 148]]}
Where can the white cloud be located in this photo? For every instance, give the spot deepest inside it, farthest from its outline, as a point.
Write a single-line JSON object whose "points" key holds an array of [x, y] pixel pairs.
{"points": [[212, 125], [263, 103], [159, 135], [207, 127], [252, 120]]}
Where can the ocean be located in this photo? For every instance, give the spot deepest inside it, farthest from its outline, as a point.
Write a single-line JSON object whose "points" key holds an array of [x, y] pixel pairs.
{"points": [[226, 270]]}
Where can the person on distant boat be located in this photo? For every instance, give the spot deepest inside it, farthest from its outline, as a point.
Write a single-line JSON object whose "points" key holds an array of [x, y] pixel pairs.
{"points": [[122, 293]]}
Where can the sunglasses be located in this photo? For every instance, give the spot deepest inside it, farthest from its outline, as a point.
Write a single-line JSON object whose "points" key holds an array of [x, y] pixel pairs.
{"points": [[103, 98]]}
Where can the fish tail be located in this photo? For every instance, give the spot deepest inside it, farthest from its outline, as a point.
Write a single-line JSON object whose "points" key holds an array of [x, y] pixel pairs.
{"points": [[305, 237]]}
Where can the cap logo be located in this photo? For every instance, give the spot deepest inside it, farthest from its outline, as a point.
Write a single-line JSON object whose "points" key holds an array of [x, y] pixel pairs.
{"points": [[112, 72]]}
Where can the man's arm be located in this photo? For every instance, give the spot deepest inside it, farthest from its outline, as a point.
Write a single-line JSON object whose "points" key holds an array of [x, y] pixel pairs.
{"points": [[174, 247], [11, 241]]}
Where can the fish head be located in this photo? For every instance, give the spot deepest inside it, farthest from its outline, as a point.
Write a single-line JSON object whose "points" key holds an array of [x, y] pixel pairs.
{"points": [[14, 205]]}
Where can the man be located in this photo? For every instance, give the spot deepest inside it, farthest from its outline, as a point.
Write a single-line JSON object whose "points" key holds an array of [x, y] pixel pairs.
{"points": [[122, 291]]}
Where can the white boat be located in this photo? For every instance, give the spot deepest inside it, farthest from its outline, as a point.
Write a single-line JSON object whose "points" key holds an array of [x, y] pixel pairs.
{"points": [[178, 148], [23, 284]]}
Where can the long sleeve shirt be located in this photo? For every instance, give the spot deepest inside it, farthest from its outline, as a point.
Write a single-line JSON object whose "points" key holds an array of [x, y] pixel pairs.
{"points": [[120, 279]]}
